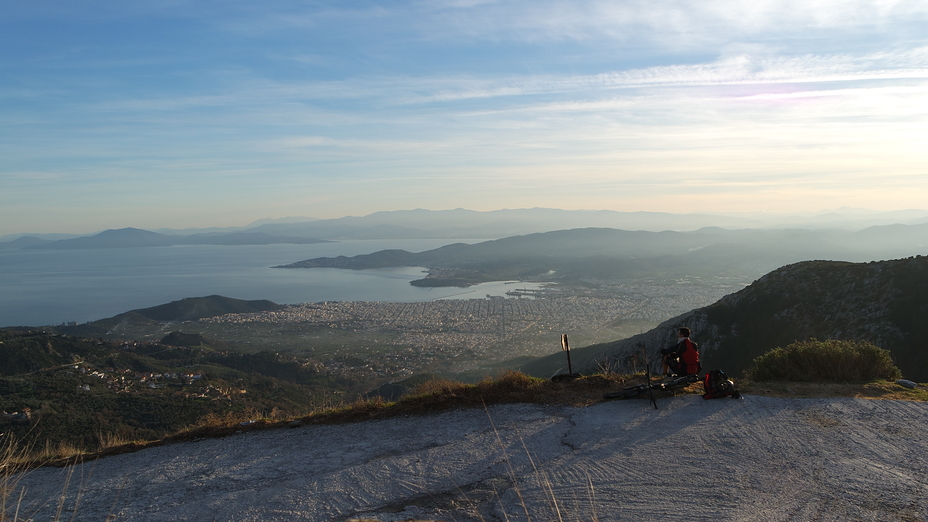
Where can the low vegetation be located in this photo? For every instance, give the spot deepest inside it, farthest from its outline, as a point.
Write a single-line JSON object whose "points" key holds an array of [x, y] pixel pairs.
{"points": [[59, 392], [825, 361]]}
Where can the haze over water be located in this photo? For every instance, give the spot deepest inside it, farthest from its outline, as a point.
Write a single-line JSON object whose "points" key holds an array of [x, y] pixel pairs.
{"points": [[44, 287]]}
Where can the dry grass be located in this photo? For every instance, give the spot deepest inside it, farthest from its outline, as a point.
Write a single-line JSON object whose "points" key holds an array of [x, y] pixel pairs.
{"points": [[9, 481], [62, 450], [111, 440], [210, 426], [232, 418], [16, 457], [442, 395], [15, 461]]}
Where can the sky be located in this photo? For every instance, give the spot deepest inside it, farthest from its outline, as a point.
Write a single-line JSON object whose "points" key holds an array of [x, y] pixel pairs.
{"points": [[173, 113]]}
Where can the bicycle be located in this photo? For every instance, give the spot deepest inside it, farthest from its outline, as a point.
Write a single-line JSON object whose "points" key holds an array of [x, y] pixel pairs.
{"points": [[638, 389]]}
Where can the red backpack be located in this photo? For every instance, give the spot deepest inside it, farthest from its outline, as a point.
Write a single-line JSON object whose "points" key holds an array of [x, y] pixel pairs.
{"points": [[717, 384]]}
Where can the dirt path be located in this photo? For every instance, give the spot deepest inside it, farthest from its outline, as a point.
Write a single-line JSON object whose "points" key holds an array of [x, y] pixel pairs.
{"points": [[753, 459]]}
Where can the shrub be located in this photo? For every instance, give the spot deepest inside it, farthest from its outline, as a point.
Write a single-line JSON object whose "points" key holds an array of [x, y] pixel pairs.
{"points": [[830, 360]]}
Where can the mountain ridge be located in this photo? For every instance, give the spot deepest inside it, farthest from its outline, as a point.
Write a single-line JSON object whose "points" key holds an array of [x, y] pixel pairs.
{"points": [[883, 302], [613, 253]]}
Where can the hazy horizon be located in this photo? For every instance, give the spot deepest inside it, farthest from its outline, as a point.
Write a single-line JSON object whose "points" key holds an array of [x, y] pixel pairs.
{"points": [[846, 217], [176, 114]]}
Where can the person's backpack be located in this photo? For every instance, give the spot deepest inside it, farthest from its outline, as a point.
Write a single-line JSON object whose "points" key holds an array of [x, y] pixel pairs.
{"points": [[717, 384]]}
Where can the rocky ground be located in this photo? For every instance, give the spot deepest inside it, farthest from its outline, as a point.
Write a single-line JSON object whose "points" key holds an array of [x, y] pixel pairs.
{"points": [[758, 458]]}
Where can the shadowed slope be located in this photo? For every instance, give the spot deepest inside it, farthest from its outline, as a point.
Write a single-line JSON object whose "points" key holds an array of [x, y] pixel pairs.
{"points": [[885, 303]]}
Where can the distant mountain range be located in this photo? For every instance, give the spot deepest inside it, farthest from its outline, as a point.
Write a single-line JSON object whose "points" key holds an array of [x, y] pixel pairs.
{"points": [[601, 253], [134, 237], [884, 302], [470, 224]]}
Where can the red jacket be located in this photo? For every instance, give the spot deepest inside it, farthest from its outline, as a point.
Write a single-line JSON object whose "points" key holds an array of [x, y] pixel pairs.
{"points": [[690, 356]]}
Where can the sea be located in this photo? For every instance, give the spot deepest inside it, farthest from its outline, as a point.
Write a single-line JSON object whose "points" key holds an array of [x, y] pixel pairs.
{"points": [[51, 287]]}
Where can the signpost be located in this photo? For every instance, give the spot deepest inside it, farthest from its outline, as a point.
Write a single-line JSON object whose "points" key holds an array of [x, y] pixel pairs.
{"points": [[566, 347]]}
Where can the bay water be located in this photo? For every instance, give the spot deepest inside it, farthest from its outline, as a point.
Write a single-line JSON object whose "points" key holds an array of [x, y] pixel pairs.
{"points": [[49, 287]]}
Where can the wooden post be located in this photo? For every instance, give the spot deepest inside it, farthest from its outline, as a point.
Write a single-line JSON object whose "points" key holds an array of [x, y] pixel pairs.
{"points": [[566, 348]]}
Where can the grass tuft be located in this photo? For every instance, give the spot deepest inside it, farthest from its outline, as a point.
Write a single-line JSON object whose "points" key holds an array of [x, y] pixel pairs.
{"points": [[441, 395]]}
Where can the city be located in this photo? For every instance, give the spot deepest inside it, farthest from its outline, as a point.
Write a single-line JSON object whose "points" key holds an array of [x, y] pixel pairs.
{"points": [[393, 340]]}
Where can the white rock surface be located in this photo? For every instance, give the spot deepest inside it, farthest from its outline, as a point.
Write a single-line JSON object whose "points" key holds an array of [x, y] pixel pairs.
{"points": [[752, 459]]}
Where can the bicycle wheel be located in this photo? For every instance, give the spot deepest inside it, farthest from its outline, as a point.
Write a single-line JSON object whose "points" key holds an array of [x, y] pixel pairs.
{"points": [[626, 393]]}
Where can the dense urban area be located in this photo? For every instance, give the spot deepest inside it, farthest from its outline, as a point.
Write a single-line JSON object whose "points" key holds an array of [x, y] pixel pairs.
{"points": [[460, 336]]}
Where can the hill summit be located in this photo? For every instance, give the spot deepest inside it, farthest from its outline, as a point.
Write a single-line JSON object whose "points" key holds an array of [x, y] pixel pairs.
{"points": [[193, 308], [187, 309]]}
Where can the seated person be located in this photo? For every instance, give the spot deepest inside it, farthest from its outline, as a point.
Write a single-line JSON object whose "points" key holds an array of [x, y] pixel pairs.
{"points": [[682, 358]]}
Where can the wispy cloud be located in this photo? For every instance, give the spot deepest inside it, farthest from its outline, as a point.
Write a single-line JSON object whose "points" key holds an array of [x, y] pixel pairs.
{"points": [[840, 70], [356, 145], [921, 90], [735, 70], [669, 23]]}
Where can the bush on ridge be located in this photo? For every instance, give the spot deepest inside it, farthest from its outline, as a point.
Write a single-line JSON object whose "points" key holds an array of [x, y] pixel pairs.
{"points": [[830, 360]]}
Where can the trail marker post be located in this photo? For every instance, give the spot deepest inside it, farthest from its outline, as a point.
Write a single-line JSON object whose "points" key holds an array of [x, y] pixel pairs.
{"points": [[566, 347]]}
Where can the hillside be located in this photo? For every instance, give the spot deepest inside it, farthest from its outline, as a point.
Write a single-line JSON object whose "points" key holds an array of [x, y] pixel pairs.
{"points": [[883, 302], [85, 391]]}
